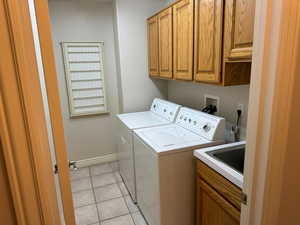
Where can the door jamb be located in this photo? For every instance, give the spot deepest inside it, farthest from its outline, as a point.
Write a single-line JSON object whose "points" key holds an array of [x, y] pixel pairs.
{"points": [[274, 70]]}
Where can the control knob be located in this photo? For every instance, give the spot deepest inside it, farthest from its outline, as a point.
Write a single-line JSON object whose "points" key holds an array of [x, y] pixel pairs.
{"points": [[206, 127]]}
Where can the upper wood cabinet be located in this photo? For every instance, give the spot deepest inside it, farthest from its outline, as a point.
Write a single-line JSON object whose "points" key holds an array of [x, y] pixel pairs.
{"points": [[153, 46], [238, 29], [210, 43], [183, 40], [208, 40], [165, 34], [238, 41]]}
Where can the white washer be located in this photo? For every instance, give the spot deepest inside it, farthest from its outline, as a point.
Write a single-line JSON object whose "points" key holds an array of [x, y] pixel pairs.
{"points": [[161, 113], [165, 167]]}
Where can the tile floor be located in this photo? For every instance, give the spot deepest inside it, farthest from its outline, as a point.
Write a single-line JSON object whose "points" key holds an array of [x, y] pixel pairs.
{"points": [[101, 198]]}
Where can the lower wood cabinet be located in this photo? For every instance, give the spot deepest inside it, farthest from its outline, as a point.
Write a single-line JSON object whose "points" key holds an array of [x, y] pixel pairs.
{"points": [[218, 200]]}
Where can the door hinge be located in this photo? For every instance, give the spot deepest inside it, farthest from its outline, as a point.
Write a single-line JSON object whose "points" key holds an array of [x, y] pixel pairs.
{"points": [[244, 198], [55, 169]]}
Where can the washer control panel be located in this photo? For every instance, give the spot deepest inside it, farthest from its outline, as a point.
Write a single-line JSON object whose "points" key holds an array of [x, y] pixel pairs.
{"points": [[209, 126], [167, 110]]}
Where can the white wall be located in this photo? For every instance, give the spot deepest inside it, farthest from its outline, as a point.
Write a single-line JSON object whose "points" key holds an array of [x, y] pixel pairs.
{"points": [[137, 89], [81, 20], [192, 95]]}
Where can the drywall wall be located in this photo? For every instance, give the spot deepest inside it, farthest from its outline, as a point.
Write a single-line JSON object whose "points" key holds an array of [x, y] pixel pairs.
{"points": [[192, 95], [80, 20], [137, 89]]}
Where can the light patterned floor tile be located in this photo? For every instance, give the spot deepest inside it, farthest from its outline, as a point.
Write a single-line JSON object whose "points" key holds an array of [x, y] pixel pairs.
{"points": [[107, 192], [122, 220], [101, 168], [115, 165], [81, 184], [83, 198], [138, 218], [131, 206], [80, 173], [103, 179], [112, 208], [118, 176], [123, 189], [86, 215]]}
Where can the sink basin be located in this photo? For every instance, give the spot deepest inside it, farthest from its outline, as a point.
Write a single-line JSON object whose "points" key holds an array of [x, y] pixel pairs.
{"points": [[233, 157]]}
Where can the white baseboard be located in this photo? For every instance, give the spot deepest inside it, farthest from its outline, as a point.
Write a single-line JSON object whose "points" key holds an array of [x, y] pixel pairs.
{"points": [[97, 160]]}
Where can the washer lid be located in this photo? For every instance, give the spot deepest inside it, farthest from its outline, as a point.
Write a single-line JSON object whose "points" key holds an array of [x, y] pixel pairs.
{"points": [[170, 137], [142, 119]]}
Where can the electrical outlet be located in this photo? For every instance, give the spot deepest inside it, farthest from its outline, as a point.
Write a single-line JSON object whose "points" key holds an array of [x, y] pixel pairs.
{"points": [[212, 100]]}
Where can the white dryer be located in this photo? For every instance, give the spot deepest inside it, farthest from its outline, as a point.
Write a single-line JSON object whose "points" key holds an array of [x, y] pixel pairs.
{"points": [[161, 113], [165, 167]]}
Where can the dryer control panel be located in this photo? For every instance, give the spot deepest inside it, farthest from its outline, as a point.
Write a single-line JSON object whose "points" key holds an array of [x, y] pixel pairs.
{"points": [[165, 109], [208, 126]]}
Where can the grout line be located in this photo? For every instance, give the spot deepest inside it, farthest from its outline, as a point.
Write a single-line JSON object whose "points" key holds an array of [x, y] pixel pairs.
{"points": [[129, 211], [116, 217], [110, 199], [90, 174], [94, 194], [98, 213]]}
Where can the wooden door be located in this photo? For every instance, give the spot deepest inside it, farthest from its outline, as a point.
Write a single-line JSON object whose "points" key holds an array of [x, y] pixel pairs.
{"points": [[212, 208], [238, 30], [183, 40], [208, 40], [44, 29], [153, 46], [165, 33], [24, 140]]}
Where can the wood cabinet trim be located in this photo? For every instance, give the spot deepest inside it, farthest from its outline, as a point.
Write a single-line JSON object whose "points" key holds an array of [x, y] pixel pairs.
{"points": [[153, 48], [225, 205], [232, 29], [228, 190], [160, 11], [165, 43], [208, 16], [185, 43]]}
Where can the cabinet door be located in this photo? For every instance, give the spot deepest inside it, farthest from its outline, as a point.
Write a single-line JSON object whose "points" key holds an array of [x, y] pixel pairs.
{"points": [[183, 40], [153, 46], [239, 25], [208, 40], [213, 209], [165, 33]]}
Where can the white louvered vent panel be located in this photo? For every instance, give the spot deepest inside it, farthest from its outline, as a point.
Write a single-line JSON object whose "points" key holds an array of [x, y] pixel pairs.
{"points": [[85, 77]]}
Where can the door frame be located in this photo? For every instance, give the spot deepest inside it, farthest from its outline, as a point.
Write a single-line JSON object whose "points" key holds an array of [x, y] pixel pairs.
{"points": [[23, 127], [23, 130], [273, 94], [51, 82]]}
